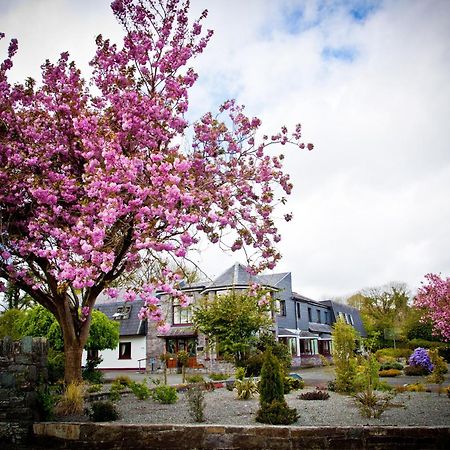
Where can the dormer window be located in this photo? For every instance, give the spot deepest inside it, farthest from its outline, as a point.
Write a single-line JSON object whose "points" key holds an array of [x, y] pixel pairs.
{"points": [[123, 312]]}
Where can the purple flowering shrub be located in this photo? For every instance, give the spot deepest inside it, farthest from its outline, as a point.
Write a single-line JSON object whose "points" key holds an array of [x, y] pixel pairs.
{"points": [[420, 358]]}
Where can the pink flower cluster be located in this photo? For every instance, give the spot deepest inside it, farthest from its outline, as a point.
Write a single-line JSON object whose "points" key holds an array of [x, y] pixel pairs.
{"points": [[434, 298]]}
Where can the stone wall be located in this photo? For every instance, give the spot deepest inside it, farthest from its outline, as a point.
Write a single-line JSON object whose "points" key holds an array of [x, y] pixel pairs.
{"points": [[182, 437], [23, 367]]}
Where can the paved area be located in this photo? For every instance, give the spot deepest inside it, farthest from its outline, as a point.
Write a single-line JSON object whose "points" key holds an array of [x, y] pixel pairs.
{"points": [[313, 376]]}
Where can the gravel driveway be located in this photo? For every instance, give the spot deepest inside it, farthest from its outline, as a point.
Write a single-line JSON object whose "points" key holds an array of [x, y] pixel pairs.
{"points": [[222, 407]]}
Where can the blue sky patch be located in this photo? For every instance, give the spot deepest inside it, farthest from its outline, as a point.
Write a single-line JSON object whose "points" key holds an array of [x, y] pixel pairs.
{"points": [[362, 9], [346, 54]]}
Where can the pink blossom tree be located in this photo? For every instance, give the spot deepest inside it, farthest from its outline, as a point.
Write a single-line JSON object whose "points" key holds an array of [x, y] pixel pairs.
{"points": [[434, 298], [93, 181]]}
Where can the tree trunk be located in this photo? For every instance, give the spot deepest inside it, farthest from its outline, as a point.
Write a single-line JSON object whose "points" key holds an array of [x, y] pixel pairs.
{"points": [[73, 353]]}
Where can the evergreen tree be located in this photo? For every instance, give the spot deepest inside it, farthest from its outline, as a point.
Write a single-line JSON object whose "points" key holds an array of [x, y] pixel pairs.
{"points": [[273, 407]]}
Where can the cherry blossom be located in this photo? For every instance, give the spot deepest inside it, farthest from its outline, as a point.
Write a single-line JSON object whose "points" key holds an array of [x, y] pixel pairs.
{"points": [[93, 180]]}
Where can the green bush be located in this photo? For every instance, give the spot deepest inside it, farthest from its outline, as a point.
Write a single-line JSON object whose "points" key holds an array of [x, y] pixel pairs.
{"points": [[215, 376], [314, 395], [55, 366], [123, 380], [277, 413], [393, 353], [103, 411], [94, 388], [165, 394], [46, 402], [292, 384], [384, 386], [195, 378], [391, 365], [253, 365], [140, 390], [90, 373], [240, 373]]}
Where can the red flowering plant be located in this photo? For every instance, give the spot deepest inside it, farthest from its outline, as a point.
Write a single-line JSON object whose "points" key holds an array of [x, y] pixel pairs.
{"points": [[434, 299], [93, 182]]}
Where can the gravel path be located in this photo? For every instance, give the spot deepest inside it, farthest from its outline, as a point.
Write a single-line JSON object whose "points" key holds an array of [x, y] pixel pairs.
{"points": [[222, 407]]}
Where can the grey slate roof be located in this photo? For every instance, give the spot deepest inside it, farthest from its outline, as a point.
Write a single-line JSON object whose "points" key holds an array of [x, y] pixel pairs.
{"points": [[272, 279], [181, 331], [319, 327], [237, 275], [337, 307], [128, 327], [287, 332]]}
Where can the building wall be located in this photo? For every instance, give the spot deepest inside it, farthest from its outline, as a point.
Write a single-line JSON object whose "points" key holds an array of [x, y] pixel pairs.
{"points": [[285, 293], [111, 357]]}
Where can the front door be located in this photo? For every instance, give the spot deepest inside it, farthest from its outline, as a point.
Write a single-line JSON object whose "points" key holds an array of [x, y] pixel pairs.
{"points": [[189, 345]]}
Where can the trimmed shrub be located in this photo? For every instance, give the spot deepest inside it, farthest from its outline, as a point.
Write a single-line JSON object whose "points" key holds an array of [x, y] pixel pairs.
{"points": [[141, 390], [103, 411], [165, 394], [195, 378], [218, 376], [417, 387], [391, 365], [277, 413], [389, 373], [393, 353], [415, 371], [314, 395]]}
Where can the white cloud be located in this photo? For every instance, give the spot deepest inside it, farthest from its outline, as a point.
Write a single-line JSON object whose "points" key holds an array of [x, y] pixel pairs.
{"points": [[371, 201]]}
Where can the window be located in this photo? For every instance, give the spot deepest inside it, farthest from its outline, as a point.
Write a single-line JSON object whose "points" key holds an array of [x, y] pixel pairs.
{"points": [[125, 350], [327, 319], [309, 314], [306, 347], [297, 308], [282, 307], [123, 312], [181, 315], [319, 316], [350, 319]]}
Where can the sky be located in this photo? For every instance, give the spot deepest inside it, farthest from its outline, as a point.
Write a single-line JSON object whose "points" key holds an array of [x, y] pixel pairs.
{"points": [[370, 83]]}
